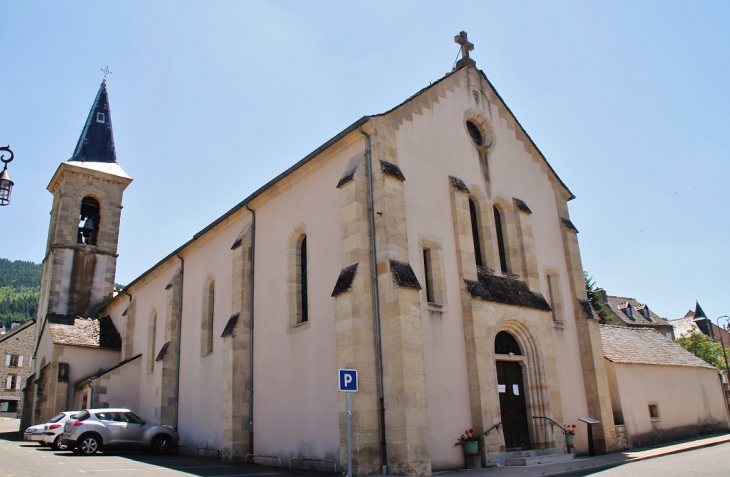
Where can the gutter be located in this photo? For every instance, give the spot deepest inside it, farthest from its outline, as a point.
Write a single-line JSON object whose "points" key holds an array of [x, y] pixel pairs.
{"points": [[376, 303], [179, 344], [250, 337]]}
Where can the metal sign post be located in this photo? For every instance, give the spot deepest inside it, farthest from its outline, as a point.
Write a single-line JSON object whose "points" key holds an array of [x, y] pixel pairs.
{"points": [[348, 384], [590, 422]]}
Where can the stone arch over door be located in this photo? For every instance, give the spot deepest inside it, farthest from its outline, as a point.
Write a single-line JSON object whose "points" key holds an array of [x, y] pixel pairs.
{"points": [[535, 381]]}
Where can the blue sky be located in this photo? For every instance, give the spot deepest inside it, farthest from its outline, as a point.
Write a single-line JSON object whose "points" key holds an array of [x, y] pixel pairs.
{"points": [[627, 100]]}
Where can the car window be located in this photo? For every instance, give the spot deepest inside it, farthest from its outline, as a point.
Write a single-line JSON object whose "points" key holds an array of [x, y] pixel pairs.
{"points": [[131, 417], [57, 418], [82, 416], [106, 416]]}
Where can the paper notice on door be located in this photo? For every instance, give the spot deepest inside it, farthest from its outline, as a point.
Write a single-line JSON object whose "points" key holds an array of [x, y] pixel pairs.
{"points": [[502, 388], [516, 389]]}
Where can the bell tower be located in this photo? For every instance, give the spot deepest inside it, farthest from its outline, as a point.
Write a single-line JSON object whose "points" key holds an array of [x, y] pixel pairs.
{"points": [[81, 253]]}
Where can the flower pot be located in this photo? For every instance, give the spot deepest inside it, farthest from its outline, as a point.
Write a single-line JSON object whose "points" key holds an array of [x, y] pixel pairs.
{"points": [[471, 447], [569, 439]]}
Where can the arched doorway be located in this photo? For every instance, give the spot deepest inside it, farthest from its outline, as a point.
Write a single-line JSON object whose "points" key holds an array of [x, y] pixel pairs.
{"points": [[512, 404]]}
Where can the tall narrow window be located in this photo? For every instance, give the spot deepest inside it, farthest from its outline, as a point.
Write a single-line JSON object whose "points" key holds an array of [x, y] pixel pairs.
{"points": [[89, 218], [551, 295], [554, 294], [500, 240], [428, 272], [475, 233], [208, 315], [303, 299]]}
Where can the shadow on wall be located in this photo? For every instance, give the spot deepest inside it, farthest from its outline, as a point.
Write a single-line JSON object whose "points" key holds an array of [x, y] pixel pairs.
{"points": [[659, 436]]}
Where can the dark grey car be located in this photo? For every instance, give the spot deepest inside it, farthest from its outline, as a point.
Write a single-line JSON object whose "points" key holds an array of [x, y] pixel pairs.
{"points": [[94, 429]]}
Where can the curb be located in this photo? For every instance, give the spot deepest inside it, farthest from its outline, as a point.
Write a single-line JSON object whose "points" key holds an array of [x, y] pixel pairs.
{"points": [[611, 465]]}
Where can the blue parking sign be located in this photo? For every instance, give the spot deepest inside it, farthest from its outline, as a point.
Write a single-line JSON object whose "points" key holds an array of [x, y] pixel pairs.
{"points": [[348, 380]]}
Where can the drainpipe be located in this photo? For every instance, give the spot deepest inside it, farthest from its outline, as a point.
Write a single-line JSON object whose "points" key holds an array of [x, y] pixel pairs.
{"points": [[130, 302], [250, 337], [376, 302], [179, 335]]}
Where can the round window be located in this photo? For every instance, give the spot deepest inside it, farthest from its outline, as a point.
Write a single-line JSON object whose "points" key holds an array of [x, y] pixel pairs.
{"points": [[475, 133]]}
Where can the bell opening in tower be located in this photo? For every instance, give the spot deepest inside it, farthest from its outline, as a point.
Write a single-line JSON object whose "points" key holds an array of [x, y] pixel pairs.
{"points": [[89, 218]]}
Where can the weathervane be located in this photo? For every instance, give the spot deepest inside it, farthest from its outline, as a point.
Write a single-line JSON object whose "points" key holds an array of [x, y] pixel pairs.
{"points": [[106, 71]]}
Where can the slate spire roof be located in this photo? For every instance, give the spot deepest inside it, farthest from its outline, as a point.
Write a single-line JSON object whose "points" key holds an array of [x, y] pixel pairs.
{"points": [[702, 322], [96, 143]]}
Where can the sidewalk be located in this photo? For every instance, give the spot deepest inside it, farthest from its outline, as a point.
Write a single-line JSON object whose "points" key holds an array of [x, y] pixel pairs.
{"points": [[591, 463]]}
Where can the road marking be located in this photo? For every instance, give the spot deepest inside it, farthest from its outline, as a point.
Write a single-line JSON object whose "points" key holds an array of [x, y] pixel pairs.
{"points": [[109, 470], [258, 473]]}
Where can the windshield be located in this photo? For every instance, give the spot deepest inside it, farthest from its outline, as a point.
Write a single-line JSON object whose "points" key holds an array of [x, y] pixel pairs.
{"points": [[57, 418], [82, 416], [132, 417]]}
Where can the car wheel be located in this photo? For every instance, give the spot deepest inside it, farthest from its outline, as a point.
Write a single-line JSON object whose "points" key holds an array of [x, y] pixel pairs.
{"points": [[60, 445], [162, 445], [89, 445]]}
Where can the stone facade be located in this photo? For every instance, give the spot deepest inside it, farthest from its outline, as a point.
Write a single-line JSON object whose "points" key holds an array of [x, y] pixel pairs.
{"points": [[16, 350]]}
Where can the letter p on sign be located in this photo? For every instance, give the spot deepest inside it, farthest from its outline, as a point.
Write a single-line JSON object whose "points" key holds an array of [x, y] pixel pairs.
{"points": [[348, 380]]}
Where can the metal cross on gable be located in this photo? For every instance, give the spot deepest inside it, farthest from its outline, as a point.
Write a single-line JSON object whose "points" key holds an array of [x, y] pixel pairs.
{"points": [[466, 45], [107, 71]]}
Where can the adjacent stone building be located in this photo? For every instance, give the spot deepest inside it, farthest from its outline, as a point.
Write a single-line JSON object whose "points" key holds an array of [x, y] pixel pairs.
{"points": [[16, 349], [660, 392], [624, 311], [429, 247]]}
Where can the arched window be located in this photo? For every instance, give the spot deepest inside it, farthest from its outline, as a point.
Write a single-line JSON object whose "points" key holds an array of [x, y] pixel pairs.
{"points": [[499, 226], [303, 300], [89, 218], [505, 343], [208, 314], [151, 338], [474, 212]]}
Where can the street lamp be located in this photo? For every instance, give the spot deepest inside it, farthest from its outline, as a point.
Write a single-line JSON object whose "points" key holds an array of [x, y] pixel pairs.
{"points": [[6, 184], [722, 341]]}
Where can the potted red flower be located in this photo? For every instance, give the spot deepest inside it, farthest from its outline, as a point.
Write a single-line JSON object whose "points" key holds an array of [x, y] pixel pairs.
{"points": [[569, 430], [470, 441]]}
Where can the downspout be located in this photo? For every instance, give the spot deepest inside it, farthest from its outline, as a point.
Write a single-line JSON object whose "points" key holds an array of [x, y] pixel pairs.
{"points": [[376, 302], [250, 336], [179, 337], [128, 304]]}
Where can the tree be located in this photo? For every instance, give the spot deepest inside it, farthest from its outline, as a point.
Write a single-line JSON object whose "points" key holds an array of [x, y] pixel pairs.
{"points": [[700, 345], [595, 299]]}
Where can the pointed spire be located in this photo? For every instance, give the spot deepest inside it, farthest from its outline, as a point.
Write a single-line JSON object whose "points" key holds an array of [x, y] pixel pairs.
{"points": [[96, 143], [702, 322], [698, 311]]}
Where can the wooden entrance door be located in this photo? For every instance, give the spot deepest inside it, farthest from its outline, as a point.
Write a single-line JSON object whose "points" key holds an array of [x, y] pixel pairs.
{"points": [[512, 406]]}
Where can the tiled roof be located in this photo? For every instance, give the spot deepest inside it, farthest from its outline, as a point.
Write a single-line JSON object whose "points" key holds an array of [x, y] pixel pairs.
{"points": [[16, 330], [96, 143], [616, 303], [644, 346], [80, 331]]}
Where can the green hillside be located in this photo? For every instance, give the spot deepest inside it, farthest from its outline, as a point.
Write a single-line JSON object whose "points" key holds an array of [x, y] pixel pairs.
{"points": [[20, 284]]}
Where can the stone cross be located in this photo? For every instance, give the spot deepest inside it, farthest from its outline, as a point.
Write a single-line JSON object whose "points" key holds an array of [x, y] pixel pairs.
{"points": [[466, 46]]}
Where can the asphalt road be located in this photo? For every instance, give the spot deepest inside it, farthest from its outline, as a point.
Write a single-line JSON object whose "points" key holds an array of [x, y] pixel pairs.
{"points": [[706, 462], [19, 458]]}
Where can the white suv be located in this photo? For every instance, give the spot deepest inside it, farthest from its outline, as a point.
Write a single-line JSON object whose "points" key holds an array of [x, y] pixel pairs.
{"points": [[93, 429], [52, 431]]}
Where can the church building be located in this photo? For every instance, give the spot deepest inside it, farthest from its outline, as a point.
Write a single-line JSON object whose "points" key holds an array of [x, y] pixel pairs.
{"points": [[429, 247]]}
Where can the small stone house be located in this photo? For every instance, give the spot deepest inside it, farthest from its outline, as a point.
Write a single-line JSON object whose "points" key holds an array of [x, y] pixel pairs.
{"points": [[660, 392], [16, 349]]}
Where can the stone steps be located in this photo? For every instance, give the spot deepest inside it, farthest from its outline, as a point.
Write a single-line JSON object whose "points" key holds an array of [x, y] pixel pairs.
{"points": [[538, 459]]}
